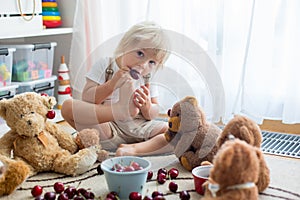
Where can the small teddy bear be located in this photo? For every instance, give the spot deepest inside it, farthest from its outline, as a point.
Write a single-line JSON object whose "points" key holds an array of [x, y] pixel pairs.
{"points": [[246, 129], [90, 137], [234, 173], [192, 135], [33, 144]]}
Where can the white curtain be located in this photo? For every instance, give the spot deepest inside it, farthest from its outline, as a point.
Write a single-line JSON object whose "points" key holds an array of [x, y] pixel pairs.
{"points": [[251, 45]]}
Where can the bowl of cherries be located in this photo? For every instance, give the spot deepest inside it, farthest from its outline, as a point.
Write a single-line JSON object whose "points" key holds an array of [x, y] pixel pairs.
{"points": [[126, 174]]}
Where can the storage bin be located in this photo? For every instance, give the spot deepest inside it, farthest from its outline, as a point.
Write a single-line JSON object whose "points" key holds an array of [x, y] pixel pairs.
{"points": [[6, 57], [8, 91], [32, 61], [40, 86]]}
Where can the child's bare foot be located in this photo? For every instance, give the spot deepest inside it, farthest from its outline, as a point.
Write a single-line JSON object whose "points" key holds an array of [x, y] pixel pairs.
{"points": [[125, 108], [126, 150]]}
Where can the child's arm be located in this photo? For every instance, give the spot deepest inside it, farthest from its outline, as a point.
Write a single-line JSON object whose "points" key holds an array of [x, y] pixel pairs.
{"points": [[95, 93]]}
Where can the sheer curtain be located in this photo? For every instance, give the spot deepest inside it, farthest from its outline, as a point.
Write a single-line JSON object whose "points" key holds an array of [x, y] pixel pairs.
{"points": [[253, 46]]}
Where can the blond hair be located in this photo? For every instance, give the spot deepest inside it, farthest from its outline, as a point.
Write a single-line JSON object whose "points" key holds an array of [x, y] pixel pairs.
{"points": [[148, 33]]}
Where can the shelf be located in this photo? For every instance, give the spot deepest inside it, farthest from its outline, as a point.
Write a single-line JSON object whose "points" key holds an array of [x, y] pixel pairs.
{"points": [[45, 32]]}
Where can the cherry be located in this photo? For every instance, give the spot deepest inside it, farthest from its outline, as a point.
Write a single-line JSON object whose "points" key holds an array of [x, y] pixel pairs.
{"points": [[44, 94], [135, 165], [51, 114], [111, 196], [39, 198], [59, 187], [173, 173], [147, 197], [50, 196], [156, 193], [173, 186], [135, 196], [128, 169], [184, 195], [63, 196], [161, 178], [37, 190], [150, 175], [81, 191], [134, 74], [89, 195], [79, 198], [70, 191], [162, 170]]}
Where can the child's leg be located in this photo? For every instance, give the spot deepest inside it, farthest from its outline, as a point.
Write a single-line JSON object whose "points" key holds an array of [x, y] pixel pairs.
{"points": [[156, 145]]}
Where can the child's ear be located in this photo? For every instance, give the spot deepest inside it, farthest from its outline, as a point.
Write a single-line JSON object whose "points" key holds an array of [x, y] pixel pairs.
{"points": [[3, 108]]}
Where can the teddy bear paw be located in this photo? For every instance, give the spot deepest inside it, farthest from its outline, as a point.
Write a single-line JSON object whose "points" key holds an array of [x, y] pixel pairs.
{"points": [[88, 158]]}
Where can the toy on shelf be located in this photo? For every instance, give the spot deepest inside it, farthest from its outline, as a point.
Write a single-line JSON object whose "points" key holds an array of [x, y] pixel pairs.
{"points": [[4, 74], [64, 88], [51, 14]]}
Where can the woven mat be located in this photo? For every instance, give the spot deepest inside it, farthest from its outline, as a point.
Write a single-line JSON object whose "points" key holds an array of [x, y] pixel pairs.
{"points": [[285, 184]]}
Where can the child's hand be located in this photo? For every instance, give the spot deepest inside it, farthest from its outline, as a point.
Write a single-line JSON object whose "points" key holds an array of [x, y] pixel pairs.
{"points": [[120, 77], [142, 98]]}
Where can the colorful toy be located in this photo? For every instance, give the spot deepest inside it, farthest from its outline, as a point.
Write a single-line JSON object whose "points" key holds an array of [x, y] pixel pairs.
{"points": [[51, 15], [4, 74], [64, 88]]}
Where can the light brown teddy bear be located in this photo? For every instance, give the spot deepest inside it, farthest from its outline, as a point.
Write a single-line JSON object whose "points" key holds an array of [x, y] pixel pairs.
{"points": [[34, 144], [90, 137], [234, 173], [192, 135], [246, 129]]}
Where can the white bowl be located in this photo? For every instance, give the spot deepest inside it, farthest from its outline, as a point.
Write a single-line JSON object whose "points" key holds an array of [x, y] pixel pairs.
{"points": [[125, 182]]}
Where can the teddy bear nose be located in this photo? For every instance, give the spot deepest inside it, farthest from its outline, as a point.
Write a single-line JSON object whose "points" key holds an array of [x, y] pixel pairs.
{"points": [[29, 122], [170, 124]]}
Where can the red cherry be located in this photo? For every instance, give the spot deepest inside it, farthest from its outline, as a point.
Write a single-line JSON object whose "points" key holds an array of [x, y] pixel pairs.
{"points": [[59, 187], [162, 170], [150, 175], [161, 178], [44, 94], [147, 197], [173, 173], [135, 196], [37, 190], [173, 186], [51, 114], [184, 195], [70, 191], [63, 196], [157, 193], [50, 196]]}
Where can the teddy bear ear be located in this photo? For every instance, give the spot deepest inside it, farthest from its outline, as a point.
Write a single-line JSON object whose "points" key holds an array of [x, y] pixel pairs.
{"points": [[226, 158], [246, 135], [3, 108], [52, 101]]}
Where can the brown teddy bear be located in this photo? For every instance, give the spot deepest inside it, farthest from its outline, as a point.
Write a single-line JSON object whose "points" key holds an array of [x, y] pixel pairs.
{"points": [[192, 135], [246, 129], [234, 173], [90, 137], [34, 144]]}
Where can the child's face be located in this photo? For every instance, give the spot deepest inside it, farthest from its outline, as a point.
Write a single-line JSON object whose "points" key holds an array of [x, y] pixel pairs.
{"points": [[142, 60]]}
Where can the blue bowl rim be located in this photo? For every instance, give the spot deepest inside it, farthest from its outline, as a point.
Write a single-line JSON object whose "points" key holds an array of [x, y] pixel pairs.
{"points": [[107, 169]]}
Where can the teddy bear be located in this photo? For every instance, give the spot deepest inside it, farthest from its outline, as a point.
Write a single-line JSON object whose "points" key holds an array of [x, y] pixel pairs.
{"points": [[90, 137], [234, 173], [246, 129], [34, 144], [193, 137]]}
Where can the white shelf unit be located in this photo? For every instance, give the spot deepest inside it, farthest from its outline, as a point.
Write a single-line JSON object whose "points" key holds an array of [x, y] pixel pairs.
{"points": [[61, 35]]}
